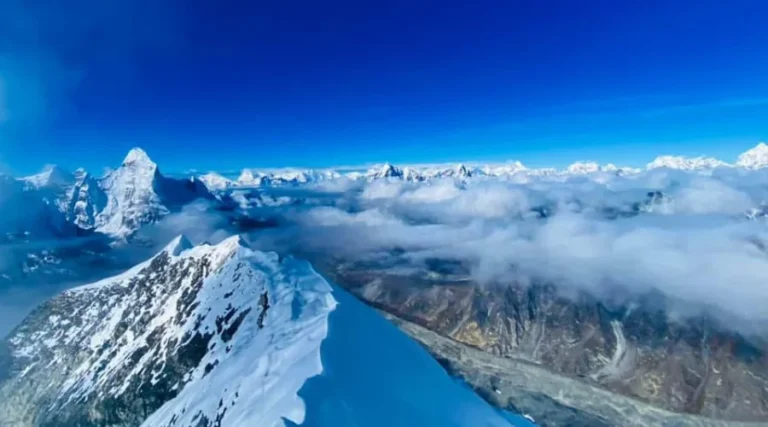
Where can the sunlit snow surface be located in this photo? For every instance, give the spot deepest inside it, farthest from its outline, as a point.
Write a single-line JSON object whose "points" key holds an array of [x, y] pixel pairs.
{"points": [[321, 359], [373, 375], [254, 383]]}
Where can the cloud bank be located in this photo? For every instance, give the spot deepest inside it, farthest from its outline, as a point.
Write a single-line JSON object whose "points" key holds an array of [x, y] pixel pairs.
{"points": [[699, 239]]}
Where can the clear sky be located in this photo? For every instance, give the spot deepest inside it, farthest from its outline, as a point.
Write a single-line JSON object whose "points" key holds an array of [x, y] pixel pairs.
{"points": [[228, 84]]}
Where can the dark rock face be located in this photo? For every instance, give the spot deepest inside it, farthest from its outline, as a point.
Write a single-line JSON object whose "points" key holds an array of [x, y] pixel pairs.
{"points": [[112, 353], [687, 366]]}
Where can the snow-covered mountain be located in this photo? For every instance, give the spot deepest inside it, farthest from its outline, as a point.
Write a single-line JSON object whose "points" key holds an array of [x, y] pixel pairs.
{"points": [[85, 199], [386, 170], [510, 168], [216, 182], [31, 210], [137, 193], [222, 335], [686, 163], [255, 178], [755, 158], [51, 176], [118, 204]]}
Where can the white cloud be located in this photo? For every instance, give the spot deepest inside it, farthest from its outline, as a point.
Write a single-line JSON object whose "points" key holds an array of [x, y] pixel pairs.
{"points": [[702, 250], [710, 196], [382, 189]]}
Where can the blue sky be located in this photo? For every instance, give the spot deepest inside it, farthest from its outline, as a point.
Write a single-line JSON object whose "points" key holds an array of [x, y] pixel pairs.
{"points": [[228, 84]]}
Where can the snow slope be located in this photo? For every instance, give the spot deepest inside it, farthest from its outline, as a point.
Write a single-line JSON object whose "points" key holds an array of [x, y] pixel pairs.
{"points": [[256, 381], [755, 158], [375, 376]]}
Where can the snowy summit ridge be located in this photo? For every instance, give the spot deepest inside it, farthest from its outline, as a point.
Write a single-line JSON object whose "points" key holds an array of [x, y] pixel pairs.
{"points": [[194, 333]]}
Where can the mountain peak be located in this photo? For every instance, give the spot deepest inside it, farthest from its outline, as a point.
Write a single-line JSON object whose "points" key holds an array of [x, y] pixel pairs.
{"points": [[178, 245], [462, 170], [754, 158], [51, 175], [387, 170], [137, 156], [686, 163], [517, 164], [214, 181], [583, 168], [234, 242]]}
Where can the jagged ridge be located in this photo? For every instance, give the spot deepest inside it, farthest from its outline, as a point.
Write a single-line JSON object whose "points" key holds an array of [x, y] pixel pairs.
{"points": [[209, 327]]}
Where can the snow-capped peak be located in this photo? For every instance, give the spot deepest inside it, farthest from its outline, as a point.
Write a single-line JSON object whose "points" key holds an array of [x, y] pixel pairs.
{"points": [[461, 170], [178, 245], [246, 177], [284, 176], [410, 174], [509, 168], [516, 165], [386, 170], [138, 157], [137, 193], [583, 168], [686, 163], [754, 158], [214, 181], [50, 176]]}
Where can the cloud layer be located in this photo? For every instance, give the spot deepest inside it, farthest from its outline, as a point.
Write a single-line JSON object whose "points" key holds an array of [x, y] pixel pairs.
{"points": [[697, 238]]}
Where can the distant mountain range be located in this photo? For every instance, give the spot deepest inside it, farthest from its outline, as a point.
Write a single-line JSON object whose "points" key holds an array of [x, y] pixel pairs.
{"points": [[755, 158], [59, 203], [116, 204]]}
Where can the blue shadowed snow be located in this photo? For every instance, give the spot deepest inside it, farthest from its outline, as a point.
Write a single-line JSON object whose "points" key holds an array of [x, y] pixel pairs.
{"points": [[375, 376]]}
